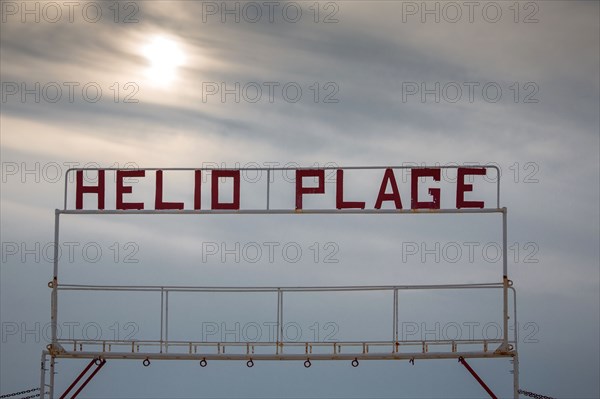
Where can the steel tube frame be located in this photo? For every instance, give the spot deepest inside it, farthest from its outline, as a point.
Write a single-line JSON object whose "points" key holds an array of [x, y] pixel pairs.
{"points": [[55, 350]]}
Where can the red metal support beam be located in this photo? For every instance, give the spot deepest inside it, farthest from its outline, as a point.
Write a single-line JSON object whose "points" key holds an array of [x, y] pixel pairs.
{"points": [[98, 367], [99, 363], [462, 361], [79, 377]]}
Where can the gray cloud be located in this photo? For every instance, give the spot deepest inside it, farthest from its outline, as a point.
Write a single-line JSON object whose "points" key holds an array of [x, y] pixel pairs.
{"points": [[370, 56]]}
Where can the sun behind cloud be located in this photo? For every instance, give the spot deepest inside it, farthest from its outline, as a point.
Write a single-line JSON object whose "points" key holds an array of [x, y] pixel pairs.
{"points": [[165, 57]]}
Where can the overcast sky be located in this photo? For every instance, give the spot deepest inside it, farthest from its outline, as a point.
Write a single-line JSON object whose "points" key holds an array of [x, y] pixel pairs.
{"points": [[353, 83]]}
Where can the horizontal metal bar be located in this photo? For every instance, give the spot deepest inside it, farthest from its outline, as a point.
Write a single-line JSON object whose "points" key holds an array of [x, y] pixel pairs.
{"points": [[274, 343], [379, 167], [276, 211], [284, 356], [84, 287]]}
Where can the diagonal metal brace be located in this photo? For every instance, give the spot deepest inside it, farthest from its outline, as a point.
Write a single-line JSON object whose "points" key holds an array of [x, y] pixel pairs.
{"points": [[99, 363], [462, 361]]}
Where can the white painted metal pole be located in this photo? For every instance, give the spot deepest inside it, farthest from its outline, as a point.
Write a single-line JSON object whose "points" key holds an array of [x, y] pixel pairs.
{"points": [[268, 188], [395, 318], [52, 372], [505, 275], [516, 343], [167, 321], [54, 300], [43, 375], [162, 309]]}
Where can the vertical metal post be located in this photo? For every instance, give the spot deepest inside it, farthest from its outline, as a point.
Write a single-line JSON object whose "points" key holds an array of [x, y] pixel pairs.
{"points": [[52, 365], [162, 308], [516, 357], [505, 276], [54, 301], [395, 317], [54, 298], [281, 315], [497, 187], [278, 320], [166, 321], [43, 375], [516, 376], [268, 186]]}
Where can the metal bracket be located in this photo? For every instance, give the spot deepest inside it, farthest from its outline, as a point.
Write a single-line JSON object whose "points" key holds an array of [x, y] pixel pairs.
{"points": [[55, 349]]}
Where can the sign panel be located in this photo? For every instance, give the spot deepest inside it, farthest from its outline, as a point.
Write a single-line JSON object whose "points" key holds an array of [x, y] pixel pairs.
{"points": [[304, 189]]}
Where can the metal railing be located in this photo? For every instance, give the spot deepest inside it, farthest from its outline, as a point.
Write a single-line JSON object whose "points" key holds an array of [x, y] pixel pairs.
{"points": [[280, 348]]}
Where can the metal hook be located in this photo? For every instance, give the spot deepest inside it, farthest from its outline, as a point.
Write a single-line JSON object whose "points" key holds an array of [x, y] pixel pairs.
{"points": [[412, 361]]}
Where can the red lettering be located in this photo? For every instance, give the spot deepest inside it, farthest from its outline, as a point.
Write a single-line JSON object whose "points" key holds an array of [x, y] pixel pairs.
{"points": [[197, 188], [81, 189], [434, 192], [388, 190], [462, 187], [122, 189], [235, 174], [388, 178], [301, 190], [339, 194], [159, 204]]}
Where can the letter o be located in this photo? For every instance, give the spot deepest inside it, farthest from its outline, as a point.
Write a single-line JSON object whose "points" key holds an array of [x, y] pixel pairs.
{"points": [[256, 327], [296, 327], [85, 252], [498, 11], [258, 12], [98, 11], [258, 251], [285, 93], [96, 327], [285, 252], [56, 87], [458, 12], [85, 94], [285, 14]]}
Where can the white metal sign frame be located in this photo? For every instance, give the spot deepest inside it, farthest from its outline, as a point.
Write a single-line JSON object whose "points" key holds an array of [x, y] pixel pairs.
{"points": [[353, 351]]}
